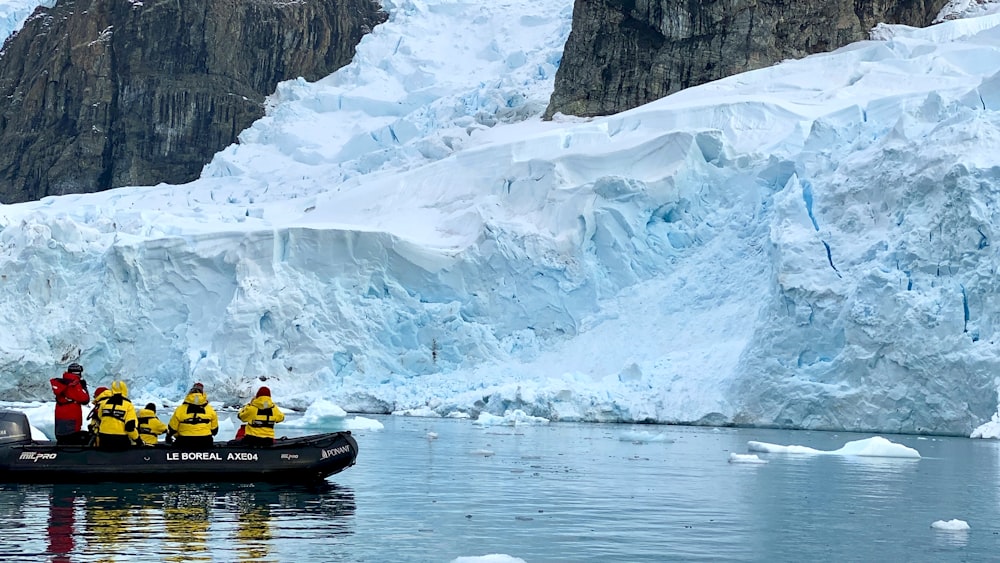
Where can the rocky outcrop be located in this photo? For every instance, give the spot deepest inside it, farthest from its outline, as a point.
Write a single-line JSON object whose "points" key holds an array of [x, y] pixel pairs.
{"points": [[98, 94], [624, 53]]}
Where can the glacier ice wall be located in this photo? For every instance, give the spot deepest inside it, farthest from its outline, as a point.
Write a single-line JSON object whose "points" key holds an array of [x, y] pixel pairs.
{"points": [[810, 245], [883, 311], [13, 13]]}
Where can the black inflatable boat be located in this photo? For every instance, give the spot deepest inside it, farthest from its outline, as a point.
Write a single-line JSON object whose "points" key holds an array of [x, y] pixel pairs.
{"points": [[289, 460]]}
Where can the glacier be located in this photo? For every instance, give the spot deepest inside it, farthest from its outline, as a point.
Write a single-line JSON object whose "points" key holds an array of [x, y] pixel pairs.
{"points": [[810, 245], [13, 13]]}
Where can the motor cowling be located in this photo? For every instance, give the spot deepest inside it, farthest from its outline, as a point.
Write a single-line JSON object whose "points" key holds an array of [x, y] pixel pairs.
{"points": [[14, 427]]}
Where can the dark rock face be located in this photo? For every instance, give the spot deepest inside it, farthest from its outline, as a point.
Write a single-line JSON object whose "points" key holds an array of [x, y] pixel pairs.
{"points": [[98, 94], [624, 53]]}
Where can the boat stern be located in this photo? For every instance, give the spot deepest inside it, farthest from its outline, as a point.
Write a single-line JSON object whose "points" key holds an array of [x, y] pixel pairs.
{"points": [[14, 428]]}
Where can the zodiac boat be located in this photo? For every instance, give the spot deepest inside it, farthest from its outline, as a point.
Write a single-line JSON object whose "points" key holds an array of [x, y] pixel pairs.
{"points": [[289, 460]]}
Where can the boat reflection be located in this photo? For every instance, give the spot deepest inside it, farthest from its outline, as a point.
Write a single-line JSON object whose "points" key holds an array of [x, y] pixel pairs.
{"points": [[204, 522], [253, 532], [61, 523], [187, 513]]}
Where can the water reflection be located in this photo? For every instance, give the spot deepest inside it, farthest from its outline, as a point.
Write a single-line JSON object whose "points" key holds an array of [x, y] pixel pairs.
{"points": [[555, 493], [186, 518], [950, 539], [167, 522], [61, 524], [253, 532]]}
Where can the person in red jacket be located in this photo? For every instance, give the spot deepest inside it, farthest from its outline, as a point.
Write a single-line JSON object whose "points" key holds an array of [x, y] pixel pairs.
{"points": [[71, 393]]}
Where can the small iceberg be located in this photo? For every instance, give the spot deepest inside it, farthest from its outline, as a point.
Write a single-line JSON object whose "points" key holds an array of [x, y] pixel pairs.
{"points": [[421, 412], [361, 423], [491, 558], [870, 447], [745, 458], [642, 437], [515, 417], [954, 525], [321, 414]]}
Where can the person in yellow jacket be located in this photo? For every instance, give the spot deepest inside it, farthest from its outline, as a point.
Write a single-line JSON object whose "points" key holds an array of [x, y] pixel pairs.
{"points": [[260, 416], [93, 417], [117, 425], [150, 426], [194, 422]]}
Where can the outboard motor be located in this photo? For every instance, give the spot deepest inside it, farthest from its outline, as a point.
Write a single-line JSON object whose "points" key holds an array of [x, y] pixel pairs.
{"points": [[14, 428]]}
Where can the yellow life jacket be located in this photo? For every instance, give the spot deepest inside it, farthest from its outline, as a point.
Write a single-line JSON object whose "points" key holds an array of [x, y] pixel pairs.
{"points": [[150, 426], [260, 417], [93, 417], [194, 417], [117, 415]]}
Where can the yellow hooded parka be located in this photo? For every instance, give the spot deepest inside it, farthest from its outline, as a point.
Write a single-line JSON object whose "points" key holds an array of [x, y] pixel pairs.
{"points": [[194, 417], [116, 415], [261, 414], [150, 426]]}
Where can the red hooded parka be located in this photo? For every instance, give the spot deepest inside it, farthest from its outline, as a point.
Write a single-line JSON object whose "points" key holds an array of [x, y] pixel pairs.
{"points": [[70, 394]]}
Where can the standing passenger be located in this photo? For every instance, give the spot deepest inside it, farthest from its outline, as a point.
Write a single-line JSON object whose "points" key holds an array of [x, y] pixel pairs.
{"points": [[71, 392], [194, 422], [150, 425], [260, 417]]}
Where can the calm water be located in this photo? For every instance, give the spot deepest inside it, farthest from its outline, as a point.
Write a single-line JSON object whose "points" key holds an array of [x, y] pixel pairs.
{"points": [[564, 492]]}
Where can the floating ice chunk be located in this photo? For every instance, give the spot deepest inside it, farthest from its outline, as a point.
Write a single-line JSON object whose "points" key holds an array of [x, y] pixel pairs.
{"points": [[487, 419], [778, 449], [876, 446], [423, 412], [745, 458], [491, 558], [954, 525], [432, 435], [227, 425], [484, 453], [362, 423], [643, 437], [321, 413], [510, 418], [323, 408]]}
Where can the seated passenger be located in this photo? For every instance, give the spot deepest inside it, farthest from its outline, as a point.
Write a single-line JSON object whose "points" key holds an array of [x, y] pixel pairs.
{"points": [[260, 416], [93, 417], [194, 422], [117, 425], [150, 426]]}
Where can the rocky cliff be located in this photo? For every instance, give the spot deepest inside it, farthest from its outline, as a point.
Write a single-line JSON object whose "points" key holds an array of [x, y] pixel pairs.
{"points": [[625, 53], [98, 94]]}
